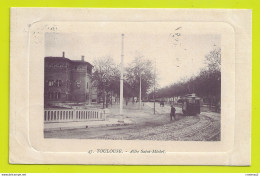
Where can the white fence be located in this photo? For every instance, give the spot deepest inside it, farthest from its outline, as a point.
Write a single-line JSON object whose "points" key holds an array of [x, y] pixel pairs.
{"points": [[64, 115]]}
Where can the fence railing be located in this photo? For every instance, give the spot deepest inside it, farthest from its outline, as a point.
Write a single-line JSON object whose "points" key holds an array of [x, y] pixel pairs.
{"points": [[64, 115]]}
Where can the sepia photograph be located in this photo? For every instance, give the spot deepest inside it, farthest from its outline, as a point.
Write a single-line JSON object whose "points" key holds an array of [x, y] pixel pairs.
{"points": [[130, 85]]}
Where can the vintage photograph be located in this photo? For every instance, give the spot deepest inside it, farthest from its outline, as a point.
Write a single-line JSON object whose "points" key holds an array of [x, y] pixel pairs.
{"points": [[130, 87], [133, 86]]}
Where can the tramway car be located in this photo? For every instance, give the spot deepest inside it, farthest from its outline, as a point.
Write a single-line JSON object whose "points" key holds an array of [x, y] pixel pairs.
{"points": [[190, 104]]}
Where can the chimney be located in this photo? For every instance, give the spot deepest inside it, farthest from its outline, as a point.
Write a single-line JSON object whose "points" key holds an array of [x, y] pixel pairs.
{"points": [[63, 54], [82, 58]]}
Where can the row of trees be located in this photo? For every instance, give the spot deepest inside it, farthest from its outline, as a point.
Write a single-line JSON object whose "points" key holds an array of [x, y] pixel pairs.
{"points": [[206, 84], [106, 77]]}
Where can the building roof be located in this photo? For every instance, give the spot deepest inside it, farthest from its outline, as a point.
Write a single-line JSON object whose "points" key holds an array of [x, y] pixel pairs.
{"points": [[53, 57], [67, 59], [80, 61]]}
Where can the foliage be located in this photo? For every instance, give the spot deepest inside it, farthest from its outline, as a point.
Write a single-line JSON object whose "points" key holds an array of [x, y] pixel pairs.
{"points": [[106, 77], [105, 73], [206, 84], [140, 68]]}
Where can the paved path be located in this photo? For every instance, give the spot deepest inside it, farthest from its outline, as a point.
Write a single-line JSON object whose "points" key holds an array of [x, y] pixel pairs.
{"points": [[86, 124], [147, 126], [162, 110]]}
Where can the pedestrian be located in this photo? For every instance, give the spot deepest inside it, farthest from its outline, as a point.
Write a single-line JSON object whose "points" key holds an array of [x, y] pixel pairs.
{"points": [[172, 114], [161, 104]]}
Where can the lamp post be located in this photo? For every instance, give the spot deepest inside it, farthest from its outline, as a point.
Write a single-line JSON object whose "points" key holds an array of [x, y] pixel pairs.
{"points": [[122, 77], [104, 91], [154, 88], [140, 91]]}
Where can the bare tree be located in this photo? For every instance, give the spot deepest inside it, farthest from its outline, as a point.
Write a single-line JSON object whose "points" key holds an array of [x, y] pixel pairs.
{"points": [[105, 77], [213, 60], [140, 69]]}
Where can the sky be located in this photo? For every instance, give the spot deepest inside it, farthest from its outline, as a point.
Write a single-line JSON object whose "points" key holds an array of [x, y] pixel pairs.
{"points": [[177, 54]]}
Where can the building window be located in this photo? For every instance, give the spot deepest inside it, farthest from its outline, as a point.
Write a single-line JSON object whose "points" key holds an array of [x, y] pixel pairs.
{"points": [[77, 84], [51, 83], [56, 95], [58, 83]]}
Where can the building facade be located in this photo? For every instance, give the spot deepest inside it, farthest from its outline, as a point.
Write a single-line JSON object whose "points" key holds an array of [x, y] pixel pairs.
{"points": [[68, 80]]}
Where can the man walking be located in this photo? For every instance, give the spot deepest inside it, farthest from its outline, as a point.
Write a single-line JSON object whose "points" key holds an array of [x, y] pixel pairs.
{"points": [[172, 114]]}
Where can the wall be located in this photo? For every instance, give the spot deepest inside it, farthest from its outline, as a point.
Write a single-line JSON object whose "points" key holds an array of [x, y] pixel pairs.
{"points": [[67, 80], [57, 79]]}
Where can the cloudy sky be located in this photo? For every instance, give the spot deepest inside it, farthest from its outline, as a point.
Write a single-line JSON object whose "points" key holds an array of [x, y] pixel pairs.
{"points": [[177, 54]]}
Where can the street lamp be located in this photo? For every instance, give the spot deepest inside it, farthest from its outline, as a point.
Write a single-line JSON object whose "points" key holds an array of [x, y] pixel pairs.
{"points": [[140, 88], [104, 91], [122, 77], [154, 87], [140, 91]]}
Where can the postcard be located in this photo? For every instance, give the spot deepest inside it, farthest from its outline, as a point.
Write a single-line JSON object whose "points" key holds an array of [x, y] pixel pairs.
{"points": [[130, 86]]}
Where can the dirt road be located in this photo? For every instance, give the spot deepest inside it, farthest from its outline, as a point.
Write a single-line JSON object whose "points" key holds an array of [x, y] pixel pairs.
{"points": [[149, 126]]}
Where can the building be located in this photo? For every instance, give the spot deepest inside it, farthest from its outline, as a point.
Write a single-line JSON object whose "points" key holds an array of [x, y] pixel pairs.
{"points": [[68, 80]]}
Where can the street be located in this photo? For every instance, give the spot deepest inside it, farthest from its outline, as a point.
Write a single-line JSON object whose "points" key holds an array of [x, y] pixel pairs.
{"points": [[150, 126]]}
